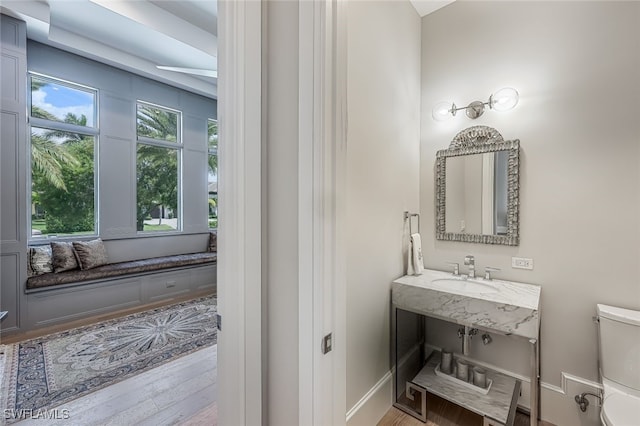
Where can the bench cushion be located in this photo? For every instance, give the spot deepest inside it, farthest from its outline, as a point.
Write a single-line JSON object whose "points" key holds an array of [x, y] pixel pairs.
{"points": [[122, 268]]}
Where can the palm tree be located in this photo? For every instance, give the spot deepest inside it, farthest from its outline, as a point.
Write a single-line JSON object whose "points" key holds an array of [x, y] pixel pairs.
{"points": [[213, 146], [47, 157], [68, 206], [156, 123], [69, 137], [212, 161]]}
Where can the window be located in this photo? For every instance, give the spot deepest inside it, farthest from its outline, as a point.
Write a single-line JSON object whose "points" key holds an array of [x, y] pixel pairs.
{"points": [[64, 133], [212, 174], [159, 150]]}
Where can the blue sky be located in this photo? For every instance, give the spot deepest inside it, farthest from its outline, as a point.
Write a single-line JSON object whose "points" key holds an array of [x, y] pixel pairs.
{"points": [[60, 100]]}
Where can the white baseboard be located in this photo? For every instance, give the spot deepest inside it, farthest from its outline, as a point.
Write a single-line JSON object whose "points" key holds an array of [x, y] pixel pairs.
{"points": [[557, 403], [374, 404]]}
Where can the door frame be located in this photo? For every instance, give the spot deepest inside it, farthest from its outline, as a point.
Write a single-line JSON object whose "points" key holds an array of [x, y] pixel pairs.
{"points": [[322, 120], [321, 179], [240, 295]]}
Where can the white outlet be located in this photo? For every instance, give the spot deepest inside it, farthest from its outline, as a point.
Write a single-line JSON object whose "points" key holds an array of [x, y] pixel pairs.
{"points": [[521, 263]]}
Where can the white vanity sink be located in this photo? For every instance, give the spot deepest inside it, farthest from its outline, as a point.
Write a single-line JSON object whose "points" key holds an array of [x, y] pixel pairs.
{"points": [[465, 285], [508, 307]]}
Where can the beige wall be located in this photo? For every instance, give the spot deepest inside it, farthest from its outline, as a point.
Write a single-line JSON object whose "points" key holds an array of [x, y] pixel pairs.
{"points": [[576, 66], [382, 178], [281, 234]]}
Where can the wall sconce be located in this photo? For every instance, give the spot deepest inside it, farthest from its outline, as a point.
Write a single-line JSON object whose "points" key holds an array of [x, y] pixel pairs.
{"points": [[502, 100]]}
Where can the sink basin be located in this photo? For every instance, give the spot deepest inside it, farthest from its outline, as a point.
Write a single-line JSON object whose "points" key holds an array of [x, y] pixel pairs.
{"points": [[467, 286]]}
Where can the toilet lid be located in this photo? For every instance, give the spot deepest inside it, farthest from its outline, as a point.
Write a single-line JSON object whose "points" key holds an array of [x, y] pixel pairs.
{"points": [[621, 410]]}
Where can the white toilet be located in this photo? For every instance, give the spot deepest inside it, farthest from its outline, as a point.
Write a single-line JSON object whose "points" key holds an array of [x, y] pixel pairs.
{"points": [[619, 337]]}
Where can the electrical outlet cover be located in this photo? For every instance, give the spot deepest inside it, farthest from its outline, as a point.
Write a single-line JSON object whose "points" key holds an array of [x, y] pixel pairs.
{"points": [[522, 263]]}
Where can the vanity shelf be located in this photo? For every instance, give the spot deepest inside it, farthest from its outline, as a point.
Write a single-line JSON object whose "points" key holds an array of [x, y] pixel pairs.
{"points": [[498, 406]]}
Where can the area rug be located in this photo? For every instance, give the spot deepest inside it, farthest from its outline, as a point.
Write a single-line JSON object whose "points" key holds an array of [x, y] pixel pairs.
{"points": [[45, 372]]}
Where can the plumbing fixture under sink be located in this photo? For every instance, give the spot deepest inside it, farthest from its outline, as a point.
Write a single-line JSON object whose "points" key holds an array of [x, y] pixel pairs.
{"points": [[467, 285]]}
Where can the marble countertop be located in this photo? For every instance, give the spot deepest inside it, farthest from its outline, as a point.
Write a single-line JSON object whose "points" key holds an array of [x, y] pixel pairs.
{"points": [[513, 309]]}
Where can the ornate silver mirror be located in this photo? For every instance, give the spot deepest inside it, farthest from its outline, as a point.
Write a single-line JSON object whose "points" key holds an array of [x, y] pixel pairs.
{"points": [[477, 185]]}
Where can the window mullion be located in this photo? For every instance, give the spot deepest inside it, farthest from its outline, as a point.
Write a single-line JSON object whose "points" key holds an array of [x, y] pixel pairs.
{"points": [[160, 143], [65, 127]]}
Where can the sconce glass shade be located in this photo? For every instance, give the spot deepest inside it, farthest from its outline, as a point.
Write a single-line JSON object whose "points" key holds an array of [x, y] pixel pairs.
{"points": [[442, 111], [504, 99]]}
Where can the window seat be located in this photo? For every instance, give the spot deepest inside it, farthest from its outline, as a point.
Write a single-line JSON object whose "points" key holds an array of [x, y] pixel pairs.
{"points": [[44, 281]]}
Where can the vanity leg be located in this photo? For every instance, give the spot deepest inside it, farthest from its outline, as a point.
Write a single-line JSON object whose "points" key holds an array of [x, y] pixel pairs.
{"points": [[535, 382], [393, 349]]}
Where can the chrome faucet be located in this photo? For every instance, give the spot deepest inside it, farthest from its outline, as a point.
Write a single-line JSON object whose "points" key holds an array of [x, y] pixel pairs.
{"points": [[471, 262], [487, 272]]}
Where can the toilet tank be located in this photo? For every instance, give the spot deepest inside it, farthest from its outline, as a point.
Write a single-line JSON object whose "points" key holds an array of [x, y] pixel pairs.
{"points": [[620, 345]]}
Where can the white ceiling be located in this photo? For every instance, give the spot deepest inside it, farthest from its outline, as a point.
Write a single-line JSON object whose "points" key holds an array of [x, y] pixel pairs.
{"points": [[135, 35], [425, 7], [138, 35]]}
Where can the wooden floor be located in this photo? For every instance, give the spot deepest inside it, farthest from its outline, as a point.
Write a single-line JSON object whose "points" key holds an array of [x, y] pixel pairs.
{"points": [[181, 392], [444, 413]]}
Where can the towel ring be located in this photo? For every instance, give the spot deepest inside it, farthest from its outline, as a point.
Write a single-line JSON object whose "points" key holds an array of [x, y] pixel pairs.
{"points": [[408, 216]]}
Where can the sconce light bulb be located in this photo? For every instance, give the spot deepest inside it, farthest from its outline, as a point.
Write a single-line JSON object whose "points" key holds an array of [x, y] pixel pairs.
{"points": [[442, 111], [504, 99]]}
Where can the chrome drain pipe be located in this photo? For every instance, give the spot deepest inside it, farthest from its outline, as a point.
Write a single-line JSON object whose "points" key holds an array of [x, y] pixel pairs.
{"points": [[466, 334]]}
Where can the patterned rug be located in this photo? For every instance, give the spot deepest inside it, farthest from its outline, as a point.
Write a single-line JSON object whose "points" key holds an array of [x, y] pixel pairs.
{"points": [[48, 371]]}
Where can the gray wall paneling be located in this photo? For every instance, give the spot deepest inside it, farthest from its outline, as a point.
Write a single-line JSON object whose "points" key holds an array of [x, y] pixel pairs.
{"points": [[117, 166], [194, 175], [13, 231], [51, 307]]}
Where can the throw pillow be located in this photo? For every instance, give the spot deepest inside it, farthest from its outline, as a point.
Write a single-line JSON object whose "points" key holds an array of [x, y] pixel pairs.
{"points": [[213, 242], [64, 257], [91, 254], [39, 260]]}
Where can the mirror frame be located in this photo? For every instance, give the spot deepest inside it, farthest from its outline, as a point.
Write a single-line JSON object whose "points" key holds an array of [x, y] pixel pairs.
{"points": [[480, 140]]}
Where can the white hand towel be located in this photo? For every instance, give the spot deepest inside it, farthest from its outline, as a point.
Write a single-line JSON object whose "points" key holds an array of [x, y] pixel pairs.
{"points": [[410, 270], [418, 261]]}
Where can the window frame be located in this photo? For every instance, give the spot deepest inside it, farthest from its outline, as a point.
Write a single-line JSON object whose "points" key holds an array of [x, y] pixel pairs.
{"points": [[178, 146], [42, 123]]}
